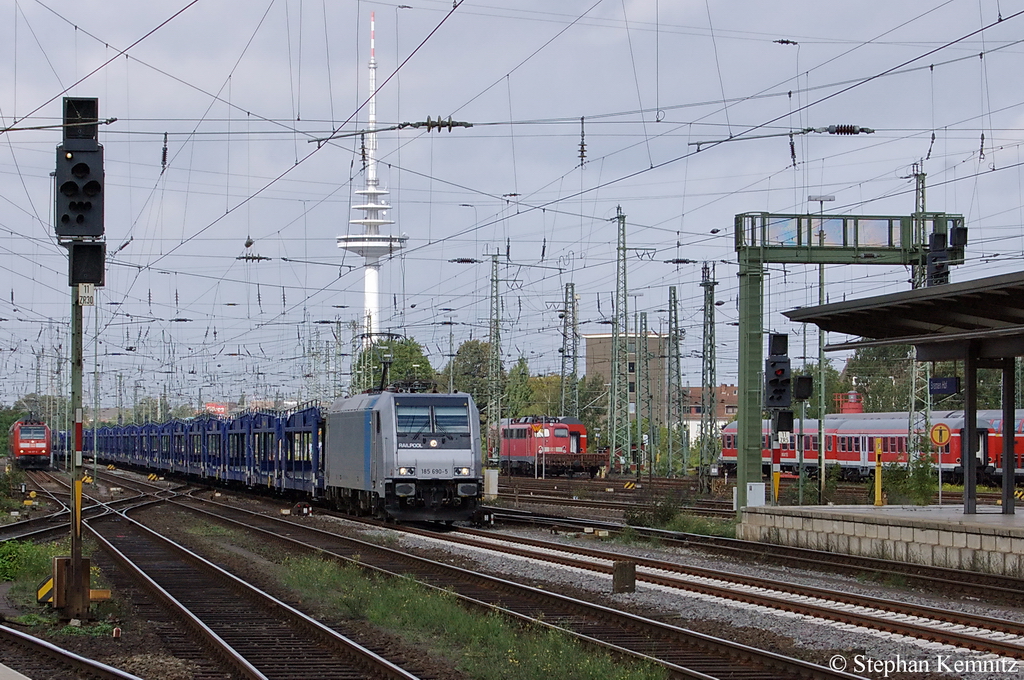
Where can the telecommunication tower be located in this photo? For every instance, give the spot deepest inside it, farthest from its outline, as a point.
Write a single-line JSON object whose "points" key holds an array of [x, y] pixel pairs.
{"points": [[371, 245]]}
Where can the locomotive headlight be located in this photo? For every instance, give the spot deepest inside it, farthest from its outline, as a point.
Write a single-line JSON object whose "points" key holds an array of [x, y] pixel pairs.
{"points": [[433, 443], [462, 471], [406, 471]]}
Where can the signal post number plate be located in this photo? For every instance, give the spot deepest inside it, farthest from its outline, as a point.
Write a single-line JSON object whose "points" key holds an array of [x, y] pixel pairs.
{"points": [[86, 295]]}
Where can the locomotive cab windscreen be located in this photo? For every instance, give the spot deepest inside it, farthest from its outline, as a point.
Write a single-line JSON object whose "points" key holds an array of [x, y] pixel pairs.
{"points": [[422, 424], [33, 433]]}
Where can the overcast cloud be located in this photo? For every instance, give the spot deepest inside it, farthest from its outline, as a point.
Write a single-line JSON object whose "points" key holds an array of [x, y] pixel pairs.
{"points": [[241, 89]]}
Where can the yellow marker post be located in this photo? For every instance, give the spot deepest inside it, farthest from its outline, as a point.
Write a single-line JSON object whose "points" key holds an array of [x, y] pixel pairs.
{"points": [[878, 471], [44, 591]]}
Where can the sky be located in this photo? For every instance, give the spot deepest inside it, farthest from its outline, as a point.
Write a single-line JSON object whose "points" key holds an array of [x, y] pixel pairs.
{"points": [[684, 111]]}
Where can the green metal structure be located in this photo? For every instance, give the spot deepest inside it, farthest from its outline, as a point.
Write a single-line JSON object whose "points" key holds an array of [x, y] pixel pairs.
{"points": [[765, 238], [645, 416], [494, 386], [676, 399], [570, 384], [620, 434], [708, 407]]}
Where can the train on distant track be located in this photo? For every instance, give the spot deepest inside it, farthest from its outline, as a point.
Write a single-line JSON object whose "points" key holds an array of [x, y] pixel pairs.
{"points": [[546, 446], [850, 440], [400, 456], [29, 443]]}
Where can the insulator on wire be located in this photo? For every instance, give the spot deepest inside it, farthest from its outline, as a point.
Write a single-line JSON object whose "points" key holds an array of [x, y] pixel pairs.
{"points": [[848, 130], [583, 144], [163, 157]]}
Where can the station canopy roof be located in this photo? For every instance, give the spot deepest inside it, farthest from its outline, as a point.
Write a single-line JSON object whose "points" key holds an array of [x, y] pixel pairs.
{"points": [[985, 316]]}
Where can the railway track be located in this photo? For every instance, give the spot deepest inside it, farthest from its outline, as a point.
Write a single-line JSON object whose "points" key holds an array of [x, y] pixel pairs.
{"points": [[224, 628], [979, 633], [53, 524], [622, 502], [684, 653], [700, 510], [255, 635], [37, 658], [986, 587]]}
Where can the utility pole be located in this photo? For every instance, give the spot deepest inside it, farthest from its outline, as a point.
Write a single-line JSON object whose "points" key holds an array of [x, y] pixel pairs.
{"points": [[570, 398], [494, 365], [619, 426], [708, 411], [675, 386]]}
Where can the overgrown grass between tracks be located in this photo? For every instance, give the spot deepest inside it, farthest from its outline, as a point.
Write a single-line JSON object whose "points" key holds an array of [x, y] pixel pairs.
{"points": [[665, 514], [485, 646], [10, 493], [26, 564]]}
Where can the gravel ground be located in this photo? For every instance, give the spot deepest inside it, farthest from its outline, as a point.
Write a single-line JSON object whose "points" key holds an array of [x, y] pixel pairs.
{"points": [[813, 639], [786, 633]]}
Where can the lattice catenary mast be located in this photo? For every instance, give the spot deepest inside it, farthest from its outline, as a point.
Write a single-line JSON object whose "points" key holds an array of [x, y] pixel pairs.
{"points": [[620, 435], [677, 398], [709, 409], [570, 392]]}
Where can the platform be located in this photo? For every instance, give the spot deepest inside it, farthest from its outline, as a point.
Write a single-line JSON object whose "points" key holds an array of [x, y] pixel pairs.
{"points": [[937, 535], [9, 674]]}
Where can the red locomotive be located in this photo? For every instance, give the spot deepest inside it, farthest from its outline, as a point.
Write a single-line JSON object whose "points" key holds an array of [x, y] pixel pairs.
{"points": [[544, 446], [29, 444]]}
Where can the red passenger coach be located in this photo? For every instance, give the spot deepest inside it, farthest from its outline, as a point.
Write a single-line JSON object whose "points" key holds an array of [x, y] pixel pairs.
{"points": [[543, 445], [29, 443], [851, 439]]}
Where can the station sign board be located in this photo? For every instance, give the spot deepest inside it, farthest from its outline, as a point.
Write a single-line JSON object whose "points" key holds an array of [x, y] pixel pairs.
{"points": [[943, 385]]}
